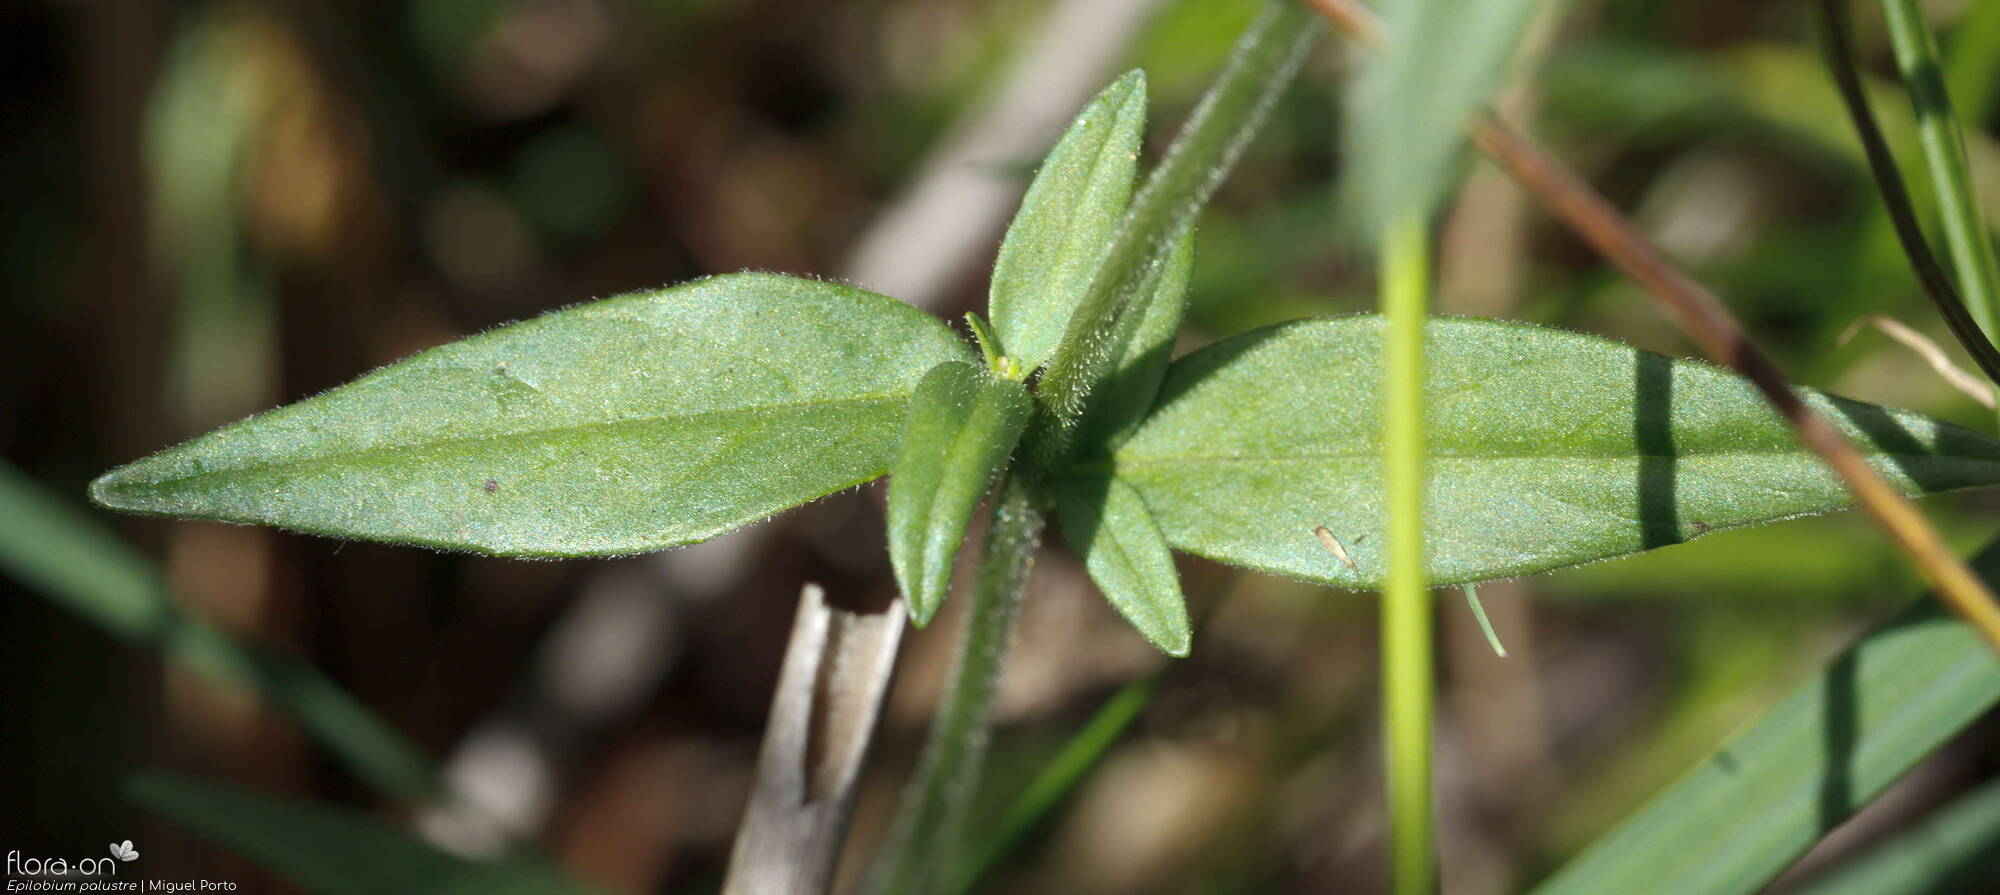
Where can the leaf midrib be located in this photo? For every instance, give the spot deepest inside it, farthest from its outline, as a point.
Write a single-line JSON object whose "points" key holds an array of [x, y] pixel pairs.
{"points": [[1143, 600], [962, 440], [546, 432]]}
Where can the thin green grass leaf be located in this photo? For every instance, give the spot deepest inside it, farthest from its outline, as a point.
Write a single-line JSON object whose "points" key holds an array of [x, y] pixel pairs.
{"points": [[1057, 779], [1837, 34], [1945, 166], [635, 423], [1744, 814], [961, 426], [58, 550], [1953, 850], [333, 851]]}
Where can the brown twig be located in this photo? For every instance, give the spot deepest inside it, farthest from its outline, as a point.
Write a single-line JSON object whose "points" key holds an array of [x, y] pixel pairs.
{"points": [[1702, 316]]}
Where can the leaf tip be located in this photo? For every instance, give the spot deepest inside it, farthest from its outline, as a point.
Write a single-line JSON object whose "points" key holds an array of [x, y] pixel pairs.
{"points": [[1126, 98], [107, 490], [907, 565], [1128, 84], [922, 608]]}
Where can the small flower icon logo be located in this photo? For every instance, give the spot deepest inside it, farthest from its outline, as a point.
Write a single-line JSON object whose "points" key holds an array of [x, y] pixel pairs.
{"points": [[124, 851]]}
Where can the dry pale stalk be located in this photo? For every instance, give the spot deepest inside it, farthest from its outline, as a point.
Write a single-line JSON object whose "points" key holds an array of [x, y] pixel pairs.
{"points": [[829, 696], [1971, 386], [1702, 316]]}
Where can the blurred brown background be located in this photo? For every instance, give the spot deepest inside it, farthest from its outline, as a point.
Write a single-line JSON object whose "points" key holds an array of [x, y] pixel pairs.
{"points": [[215, 207]]}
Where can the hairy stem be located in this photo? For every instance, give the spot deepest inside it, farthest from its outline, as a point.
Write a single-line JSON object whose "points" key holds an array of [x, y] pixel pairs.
{"points": [[1057, 779], [1407, 682], [1944, 159], [1267, 55], [927, 828]]}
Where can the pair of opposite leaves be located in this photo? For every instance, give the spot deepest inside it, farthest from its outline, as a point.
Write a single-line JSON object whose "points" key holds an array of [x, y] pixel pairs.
{"points": [[663, 418]]}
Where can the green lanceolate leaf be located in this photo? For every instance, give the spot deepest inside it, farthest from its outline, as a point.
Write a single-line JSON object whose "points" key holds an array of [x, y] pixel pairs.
{"points": [[1069, 214], [1140, 351], [1547, 449], [635, 423], [1830, 747], [1108, 524], [961, 426], [1949, 851], [333, 851]]}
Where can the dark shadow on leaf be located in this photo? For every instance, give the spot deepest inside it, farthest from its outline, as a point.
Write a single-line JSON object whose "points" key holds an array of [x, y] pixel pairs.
{"points": [[1082, 513], [1841, 727], [1883, 433], [1653, 435], [1836, 788], [1110, 410], [1189, 371]]}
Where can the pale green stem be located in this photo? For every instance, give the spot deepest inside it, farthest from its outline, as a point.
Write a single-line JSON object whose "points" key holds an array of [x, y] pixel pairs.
{"points": [[929, 824], [1944, 160], [1407, 683]]}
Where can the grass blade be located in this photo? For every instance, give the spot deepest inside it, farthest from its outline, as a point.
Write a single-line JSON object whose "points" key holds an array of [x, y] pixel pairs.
{"points": [[1058, 778], [56, 549], [1485, 624], [1944, 159], [1837, 33], [1829, 747], [1950, 851], [335, 851]]}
